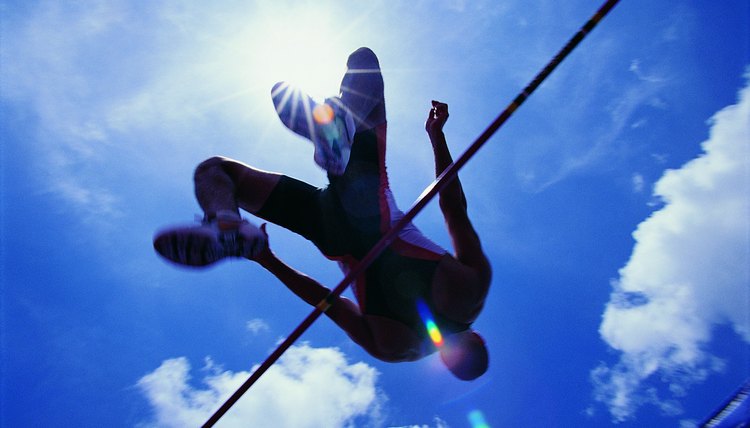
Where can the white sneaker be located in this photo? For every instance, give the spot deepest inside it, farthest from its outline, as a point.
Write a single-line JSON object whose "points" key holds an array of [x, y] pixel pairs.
{"points": [[329, 125], [227, 236]]}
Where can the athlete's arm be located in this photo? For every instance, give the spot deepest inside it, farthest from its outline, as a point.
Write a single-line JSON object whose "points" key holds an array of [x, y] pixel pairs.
{"points": [[452, 199], [343, 312]]}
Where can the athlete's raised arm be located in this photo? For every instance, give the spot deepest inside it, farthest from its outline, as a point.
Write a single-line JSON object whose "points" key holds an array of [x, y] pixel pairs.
{"points": [[466, 243]]}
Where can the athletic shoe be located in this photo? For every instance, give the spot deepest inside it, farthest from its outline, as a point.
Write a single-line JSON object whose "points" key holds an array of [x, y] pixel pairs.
{"points": [[329, 125], [210, 242]]}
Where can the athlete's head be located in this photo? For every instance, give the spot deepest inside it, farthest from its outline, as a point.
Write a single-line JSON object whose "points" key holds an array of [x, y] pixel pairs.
{"points": [[465, 355]]}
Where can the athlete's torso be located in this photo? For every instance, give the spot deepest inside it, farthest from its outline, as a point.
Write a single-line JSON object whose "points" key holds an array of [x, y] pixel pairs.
{"points": [[403, 273]]}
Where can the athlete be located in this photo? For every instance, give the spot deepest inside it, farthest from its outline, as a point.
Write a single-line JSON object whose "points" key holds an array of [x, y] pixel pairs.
{"points": [[344, 220]]}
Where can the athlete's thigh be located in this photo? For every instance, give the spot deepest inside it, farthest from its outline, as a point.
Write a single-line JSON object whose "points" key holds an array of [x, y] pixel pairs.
{"points": [[296, 206], [252, 186], [292, 204]]}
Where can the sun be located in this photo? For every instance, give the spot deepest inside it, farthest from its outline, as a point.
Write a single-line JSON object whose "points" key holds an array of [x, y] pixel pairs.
{"points": [[301, 46]]}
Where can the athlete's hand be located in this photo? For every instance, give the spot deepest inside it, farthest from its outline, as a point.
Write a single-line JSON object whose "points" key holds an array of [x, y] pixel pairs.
{"points": [[265, 250], [436, 119]]}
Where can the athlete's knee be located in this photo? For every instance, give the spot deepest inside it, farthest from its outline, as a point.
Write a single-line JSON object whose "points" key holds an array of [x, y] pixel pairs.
{"points": [[208, 167]]}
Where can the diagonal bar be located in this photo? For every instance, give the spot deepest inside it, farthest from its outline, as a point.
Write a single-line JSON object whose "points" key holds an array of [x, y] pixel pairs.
{"points": [[429, 193]]}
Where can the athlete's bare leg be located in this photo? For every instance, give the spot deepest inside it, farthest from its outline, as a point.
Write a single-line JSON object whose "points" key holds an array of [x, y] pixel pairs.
{"points": [[223, 184], [222, 187], [362, 89]]}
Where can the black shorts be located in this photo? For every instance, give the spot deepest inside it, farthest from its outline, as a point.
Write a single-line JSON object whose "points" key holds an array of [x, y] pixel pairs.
{"points": [[312, 212], [346, 218]]}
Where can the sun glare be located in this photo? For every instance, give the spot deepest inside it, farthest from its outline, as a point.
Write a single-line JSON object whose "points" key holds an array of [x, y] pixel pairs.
{"points": [[301, 47]]}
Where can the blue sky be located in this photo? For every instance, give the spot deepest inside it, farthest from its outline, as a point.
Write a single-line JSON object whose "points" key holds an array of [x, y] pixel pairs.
{"points": [[613, 207]]}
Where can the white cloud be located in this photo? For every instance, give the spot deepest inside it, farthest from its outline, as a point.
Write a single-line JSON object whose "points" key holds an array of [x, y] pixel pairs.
{"points": [[635, 68], [257, 325], [307, 387], [688, 272], [439, 423], [638, 183]]}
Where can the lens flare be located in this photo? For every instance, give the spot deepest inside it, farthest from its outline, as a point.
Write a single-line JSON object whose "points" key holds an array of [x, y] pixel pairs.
{"points": [[323, 114], [476, 418], [432, 328]]}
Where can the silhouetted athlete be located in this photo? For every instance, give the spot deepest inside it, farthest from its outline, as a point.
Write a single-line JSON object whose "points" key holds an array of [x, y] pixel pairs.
{"points": [[344, 220]]}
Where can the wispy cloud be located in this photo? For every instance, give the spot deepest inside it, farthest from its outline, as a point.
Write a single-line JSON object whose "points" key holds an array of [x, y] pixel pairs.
{"points": [[439, 423], [588, 131], [99, 104], [43, 71], [593, 105], [257, 326], [635, 68], [332, 392], [638, 183], [688, 272]]}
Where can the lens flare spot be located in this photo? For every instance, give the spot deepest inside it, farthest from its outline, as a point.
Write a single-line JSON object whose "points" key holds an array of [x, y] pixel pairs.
{"points": [[323, 114], [434, 332], [429, 322], [476, 418]]}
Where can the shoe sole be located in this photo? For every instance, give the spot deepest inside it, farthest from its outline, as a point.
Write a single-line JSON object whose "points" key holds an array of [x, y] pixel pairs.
{"points": [[295, 110], [188, 247]]}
